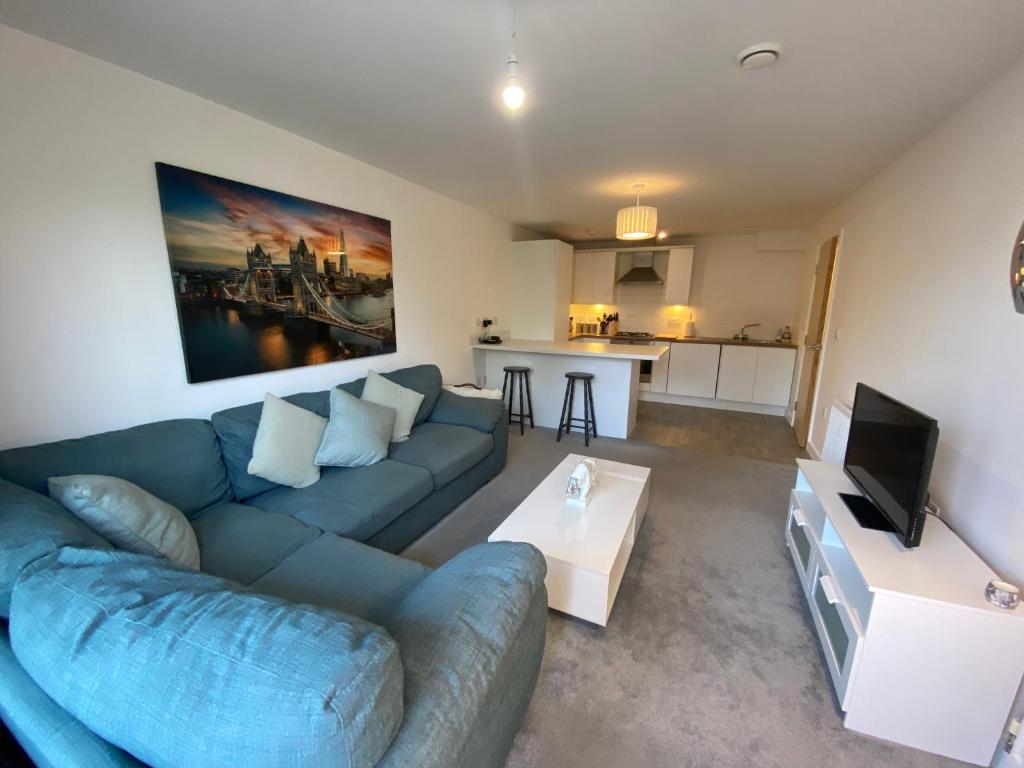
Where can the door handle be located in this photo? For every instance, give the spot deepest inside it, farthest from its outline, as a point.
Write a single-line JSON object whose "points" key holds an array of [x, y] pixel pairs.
{"points": [[815, 347]]}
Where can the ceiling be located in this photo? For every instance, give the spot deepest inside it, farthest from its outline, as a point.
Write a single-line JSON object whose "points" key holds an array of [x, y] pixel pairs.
{"points": [[616, 92]]}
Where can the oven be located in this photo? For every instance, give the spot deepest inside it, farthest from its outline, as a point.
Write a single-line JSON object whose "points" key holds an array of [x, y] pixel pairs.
{"points": [[646, 366]]}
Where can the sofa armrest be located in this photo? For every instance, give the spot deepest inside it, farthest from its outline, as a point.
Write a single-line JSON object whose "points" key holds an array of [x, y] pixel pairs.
{"points": [[481, 413], [49, 734], [31, 527], [471, 638]]}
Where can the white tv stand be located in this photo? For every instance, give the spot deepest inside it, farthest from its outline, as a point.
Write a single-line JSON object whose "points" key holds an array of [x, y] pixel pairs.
{"points": [[917, 655]]}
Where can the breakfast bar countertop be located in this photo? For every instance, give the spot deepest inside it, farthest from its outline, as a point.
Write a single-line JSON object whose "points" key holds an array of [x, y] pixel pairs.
{"points": [[579, 349]]}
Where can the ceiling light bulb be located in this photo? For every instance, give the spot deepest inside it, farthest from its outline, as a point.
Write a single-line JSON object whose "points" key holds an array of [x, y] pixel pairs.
{"points": [[513, 95]]}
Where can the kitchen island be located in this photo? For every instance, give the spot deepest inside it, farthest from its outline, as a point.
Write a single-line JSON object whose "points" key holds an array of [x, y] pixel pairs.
{"points": [[616, 382]]}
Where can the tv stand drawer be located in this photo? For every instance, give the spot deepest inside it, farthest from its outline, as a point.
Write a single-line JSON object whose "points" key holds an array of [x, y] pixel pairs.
{"points": [[838, 630]]}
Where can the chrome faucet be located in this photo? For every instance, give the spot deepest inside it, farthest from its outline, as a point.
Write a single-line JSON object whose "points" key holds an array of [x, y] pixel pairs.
{"points": [[742, 335]]}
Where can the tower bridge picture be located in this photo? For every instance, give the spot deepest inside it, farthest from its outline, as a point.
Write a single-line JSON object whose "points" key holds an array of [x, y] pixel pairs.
{"points": [[243, 307], [311, 297]]}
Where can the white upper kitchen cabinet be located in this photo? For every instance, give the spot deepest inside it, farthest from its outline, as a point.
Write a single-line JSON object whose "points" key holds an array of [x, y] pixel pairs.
{"points": [[774, 376], [736, 374], [537, 283], [692, 369], [594, 277], [677, 281]]}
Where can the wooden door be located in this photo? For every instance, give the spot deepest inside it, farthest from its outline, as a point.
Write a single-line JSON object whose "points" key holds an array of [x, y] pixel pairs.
{"points": [[814, 339]]}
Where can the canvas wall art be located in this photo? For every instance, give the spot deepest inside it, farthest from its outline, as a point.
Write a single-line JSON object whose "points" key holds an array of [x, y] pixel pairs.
{"points": [[265, 281]]}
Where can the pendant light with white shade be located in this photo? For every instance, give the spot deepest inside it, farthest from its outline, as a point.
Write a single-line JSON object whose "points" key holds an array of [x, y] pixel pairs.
{"points": [[637, 222]]}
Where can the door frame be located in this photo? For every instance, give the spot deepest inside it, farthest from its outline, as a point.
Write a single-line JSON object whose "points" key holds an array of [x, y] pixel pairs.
{"points": [[826, 338]]}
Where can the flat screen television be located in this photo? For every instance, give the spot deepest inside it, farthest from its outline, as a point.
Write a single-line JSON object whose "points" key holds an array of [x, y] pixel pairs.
{"points": [[889, 457]]}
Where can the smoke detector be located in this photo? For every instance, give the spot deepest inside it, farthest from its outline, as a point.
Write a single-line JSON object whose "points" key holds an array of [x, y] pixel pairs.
{"points": [[759, 56]]}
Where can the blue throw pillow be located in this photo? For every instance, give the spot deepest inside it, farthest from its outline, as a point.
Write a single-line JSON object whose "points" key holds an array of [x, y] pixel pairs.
{"points": [[358, 433], [182, 668]]}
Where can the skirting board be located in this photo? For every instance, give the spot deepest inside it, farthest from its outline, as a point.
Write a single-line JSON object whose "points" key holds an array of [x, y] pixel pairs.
{"points": [[709, 402]]}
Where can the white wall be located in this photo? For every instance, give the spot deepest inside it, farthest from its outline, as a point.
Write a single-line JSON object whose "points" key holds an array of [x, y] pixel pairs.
{"points": [[734, 282], [90, 333], [923, 311]]}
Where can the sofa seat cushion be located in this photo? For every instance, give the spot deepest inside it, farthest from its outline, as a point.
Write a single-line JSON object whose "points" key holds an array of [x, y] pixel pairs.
{"points": [[355, 502], [444, 450], [182, 668], [242, 543], [334, 572], [178, 461]]}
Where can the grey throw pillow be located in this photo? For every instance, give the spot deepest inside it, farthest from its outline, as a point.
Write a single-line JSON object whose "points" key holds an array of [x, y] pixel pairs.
{"points": [[358, 433], [127, 516], [405, 401]]}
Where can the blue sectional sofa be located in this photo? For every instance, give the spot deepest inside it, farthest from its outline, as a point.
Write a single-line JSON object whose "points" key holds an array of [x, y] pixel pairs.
{"points": [[469, 635]]}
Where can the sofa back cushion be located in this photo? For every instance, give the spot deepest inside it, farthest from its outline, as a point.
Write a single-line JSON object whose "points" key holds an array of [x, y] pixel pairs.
{"points": [[31, 527], [236, 427], [425, 379], [178, 461], [183, 668]]}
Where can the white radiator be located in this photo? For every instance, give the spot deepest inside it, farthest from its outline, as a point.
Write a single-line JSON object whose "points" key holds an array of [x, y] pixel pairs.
{"points": [[836, 433]]}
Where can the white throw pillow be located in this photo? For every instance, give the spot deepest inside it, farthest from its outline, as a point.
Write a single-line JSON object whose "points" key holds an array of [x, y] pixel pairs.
{"points": [[286, 443], [405, 401], [127, 516]]}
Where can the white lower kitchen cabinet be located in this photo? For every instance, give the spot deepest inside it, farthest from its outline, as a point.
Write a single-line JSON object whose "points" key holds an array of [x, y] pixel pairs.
{"points": [[724, 376], [756, 375], [736, 373], [774, 377], [692, 369]]}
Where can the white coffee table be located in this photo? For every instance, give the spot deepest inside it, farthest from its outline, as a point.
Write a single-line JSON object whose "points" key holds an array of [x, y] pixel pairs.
{"points": [[586, 548]]}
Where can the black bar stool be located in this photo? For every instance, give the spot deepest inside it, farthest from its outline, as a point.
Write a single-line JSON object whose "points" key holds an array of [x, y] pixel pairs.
{"points": [[589, 420], [512, 373]]}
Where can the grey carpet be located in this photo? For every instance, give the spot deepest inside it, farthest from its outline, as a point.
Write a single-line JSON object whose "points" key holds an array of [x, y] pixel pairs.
{"points": [[710, 657]]}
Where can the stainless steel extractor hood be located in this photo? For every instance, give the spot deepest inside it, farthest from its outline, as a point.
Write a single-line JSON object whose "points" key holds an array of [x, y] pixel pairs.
{"points": [[642, 270]]}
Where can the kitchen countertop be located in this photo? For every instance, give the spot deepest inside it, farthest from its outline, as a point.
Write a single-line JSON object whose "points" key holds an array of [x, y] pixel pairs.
{"points": [[770, 343], [579, 349]]}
